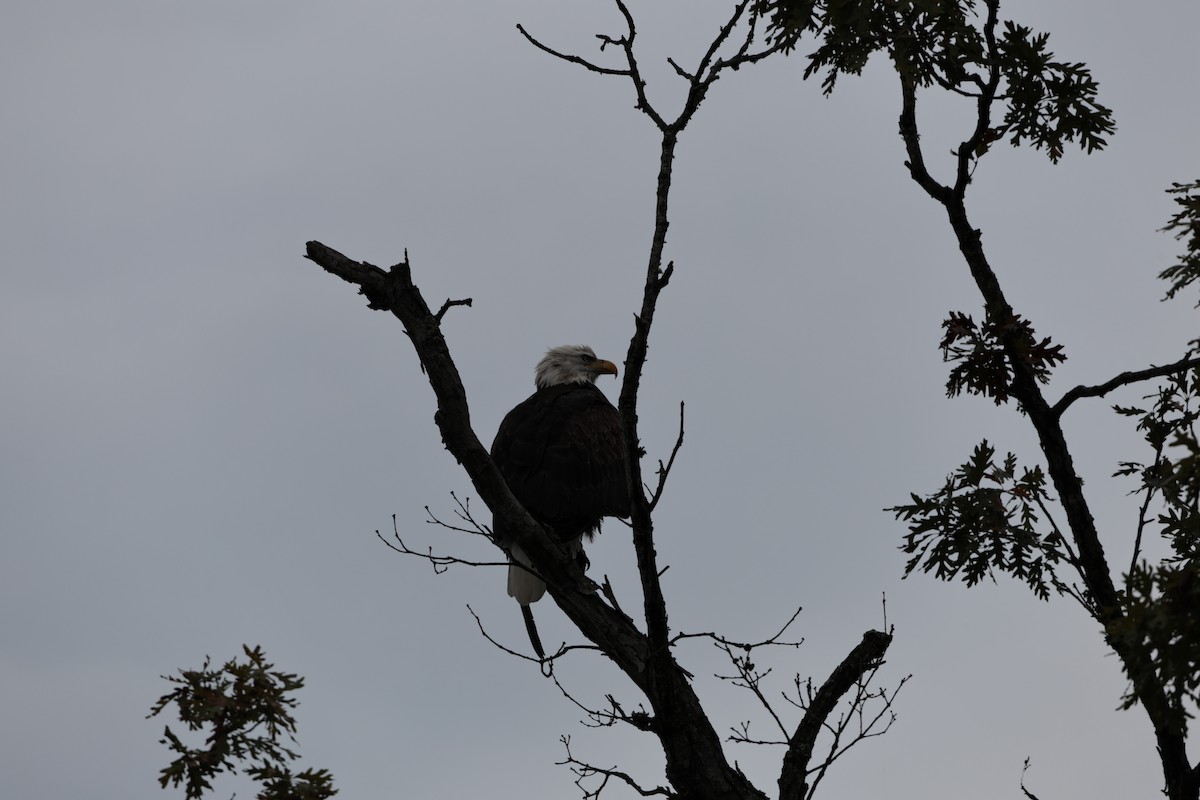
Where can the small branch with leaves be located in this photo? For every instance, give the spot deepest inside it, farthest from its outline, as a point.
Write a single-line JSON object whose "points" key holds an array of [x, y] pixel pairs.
{"points": [[245, 707]]}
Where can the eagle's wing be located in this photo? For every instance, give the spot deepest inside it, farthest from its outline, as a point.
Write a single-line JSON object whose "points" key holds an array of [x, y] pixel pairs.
{"points": [[562, 453]]}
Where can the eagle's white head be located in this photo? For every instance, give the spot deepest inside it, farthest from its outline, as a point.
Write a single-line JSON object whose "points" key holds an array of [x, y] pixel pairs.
{"points": [[571, 363]]}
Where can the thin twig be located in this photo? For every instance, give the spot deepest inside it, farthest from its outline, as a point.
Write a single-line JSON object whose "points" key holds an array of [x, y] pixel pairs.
{"points": [[867, 729], [446, 306], [583, 771], [583, 62], [639, 719], [771, 641], [1072, 590], [1142, 516], [664, 471], [607, 590], [463, 512], [751, 679], [440, 562], [546, 662], [866, 657], [1025, 791]]}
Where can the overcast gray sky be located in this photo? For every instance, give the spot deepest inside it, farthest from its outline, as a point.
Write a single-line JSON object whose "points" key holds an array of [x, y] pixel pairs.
{"points": [[201, 431]]}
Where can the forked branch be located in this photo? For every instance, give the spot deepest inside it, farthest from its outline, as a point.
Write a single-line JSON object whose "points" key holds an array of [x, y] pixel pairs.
{"points": [[866, 656], [664, 470], [438, 561], [586, 772], [708, 70]]}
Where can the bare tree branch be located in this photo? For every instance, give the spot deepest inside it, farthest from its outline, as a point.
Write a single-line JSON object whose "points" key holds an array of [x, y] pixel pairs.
{"points": [[483, 632], [748, 677], [583, 62], [640, 719], [866, 728], [771, 641], [1025, 791], [585, 771], [664, 471], [607, 590], [1124, 379], [448, 304], [440, 563], [545, 662], [463, 512], [793, 779]]}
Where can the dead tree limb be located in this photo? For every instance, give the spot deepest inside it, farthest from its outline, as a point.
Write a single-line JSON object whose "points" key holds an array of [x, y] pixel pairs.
{"points": [[696, 763], [793, 780]]}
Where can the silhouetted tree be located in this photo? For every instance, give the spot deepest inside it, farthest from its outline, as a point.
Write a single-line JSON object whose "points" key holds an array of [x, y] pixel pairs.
{"points": [[645, 649], [992, 514]]}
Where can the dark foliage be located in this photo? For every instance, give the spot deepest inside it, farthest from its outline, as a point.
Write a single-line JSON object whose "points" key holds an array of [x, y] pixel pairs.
{"points": [[1049, 103], [246, 709], [1185, 224], [1173, 475], [986, 516], [1162, 600], [1162, 614], [1046, 102], [985, 519], [983, 355]]}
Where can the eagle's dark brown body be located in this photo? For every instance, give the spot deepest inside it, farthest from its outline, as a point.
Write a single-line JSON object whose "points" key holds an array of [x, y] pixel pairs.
{"points": [[562, 453]]}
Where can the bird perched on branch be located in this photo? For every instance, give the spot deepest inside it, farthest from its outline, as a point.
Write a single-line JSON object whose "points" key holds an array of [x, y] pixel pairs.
{"points": [[562, 454]]}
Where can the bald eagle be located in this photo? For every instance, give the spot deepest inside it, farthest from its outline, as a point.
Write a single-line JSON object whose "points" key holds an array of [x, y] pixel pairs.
{"points": [[562, 454]]}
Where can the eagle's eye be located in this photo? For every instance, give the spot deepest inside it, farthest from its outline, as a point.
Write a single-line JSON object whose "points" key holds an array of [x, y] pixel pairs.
{"points": [[585, 358]]}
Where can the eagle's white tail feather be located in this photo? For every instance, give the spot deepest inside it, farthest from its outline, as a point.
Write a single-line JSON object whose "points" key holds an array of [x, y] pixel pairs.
{"points": [[523, 585]]}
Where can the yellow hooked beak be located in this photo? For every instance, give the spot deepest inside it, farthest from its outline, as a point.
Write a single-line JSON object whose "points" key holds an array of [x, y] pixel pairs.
{"points": [[605, 367]]}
